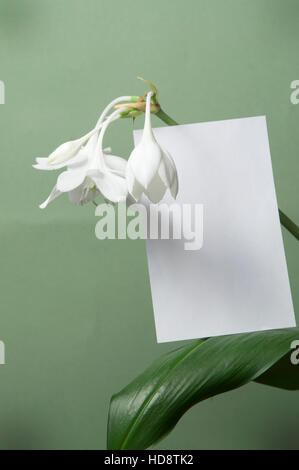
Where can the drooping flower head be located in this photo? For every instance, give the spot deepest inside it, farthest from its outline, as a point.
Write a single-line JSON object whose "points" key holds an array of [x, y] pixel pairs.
{"points": [[150, 169], [90, 170]]}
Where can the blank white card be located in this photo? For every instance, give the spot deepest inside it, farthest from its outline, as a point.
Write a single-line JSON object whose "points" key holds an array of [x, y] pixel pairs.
{"points": [[238, 281]]}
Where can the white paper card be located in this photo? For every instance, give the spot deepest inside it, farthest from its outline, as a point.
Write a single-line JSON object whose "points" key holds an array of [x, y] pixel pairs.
{"points": [[238, 281]]}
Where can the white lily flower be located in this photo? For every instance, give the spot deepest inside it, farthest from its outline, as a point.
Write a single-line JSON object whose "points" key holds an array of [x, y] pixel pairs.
{"points": [[91, 170], [69, 150], [150, 169], [87, 190]]}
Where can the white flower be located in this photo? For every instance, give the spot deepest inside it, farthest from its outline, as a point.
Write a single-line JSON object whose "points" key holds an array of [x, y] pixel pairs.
{"points": [[150, 169], [90, 171], [84, 181]]}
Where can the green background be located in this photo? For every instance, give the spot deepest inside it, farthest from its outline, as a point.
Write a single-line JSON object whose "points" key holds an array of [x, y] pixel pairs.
{"points": [[76, 313]]}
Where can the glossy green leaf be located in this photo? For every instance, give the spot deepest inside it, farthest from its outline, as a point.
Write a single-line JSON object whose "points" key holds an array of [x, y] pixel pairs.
{"points": [[150, 406], [283, 374]]}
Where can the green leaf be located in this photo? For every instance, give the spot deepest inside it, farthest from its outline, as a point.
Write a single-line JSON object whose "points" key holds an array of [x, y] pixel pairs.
{"points": [[150, 406], [282, 375]]}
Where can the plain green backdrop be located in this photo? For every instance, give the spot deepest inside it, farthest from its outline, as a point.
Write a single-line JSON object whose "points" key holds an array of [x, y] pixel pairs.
{"points": [[76, 313]]}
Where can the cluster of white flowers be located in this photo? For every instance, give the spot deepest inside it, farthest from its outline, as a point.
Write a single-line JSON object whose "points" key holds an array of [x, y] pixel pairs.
{"points": [[92, 170]]}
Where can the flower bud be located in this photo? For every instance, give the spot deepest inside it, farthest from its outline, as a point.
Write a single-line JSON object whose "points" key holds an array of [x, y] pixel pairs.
{"points": [[68, 150]]}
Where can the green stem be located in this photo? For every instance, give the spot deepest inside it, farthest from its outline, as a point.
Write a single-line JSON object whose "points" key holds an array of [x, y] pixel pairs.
{"points": [[165, 118], [284, 219], [289, 224]]}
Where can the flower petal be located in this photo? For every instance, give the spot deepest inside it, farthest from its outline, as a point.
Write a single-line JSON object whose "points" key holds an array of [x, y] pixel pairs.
{"points": [[43, 163], [70, 179], [168, 173], [113, 187], [134, 187], [79, 160], [145, 161], [53, 195], [116, 164]]}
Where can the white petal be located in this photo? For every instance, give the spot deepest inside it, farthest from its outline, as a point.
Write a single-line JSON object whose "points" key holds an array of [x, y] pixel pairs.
{"points": [[117, 164], [134, 187], [53, 195], [43, 163], [113, 187], [145, 161], [70, 179], [168, 173], [80, 160]]}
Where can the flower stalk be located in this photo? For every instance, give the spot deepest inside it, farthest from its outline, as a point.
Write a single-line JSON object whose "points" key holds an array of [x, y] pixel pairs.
{"points": [[289, 224]]}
